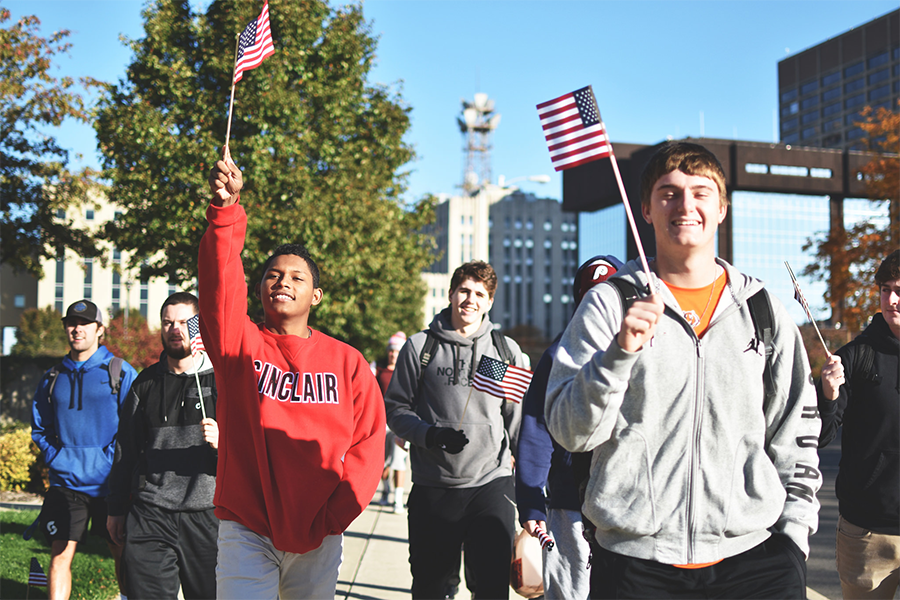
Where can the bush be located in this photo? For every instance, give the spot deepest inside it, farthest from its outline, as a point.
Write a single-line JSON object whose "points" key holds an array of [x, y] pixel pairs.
{"points": [[18, 457]]}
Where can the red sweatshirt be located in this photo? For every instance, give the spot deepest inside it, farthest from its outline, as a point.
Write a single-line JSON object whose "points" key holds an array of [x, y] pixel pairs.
{"points": [[302, 420]]}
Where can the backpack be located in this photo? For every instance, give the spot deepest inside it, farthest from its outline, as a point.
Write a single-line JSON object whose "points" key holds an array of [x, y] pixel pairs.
{"points": [[763, 322], [115, 375]]}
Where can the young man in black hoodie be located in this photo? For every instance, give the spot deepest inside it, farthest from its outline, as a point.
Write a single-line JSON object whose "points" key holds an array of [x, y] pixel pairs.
{"points": [[164, 475], [859, 390]]}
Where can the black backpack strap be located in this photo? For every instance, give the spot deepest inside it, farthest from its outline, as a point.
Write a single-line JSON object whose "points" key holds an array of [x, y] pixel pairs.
{"points": [[628, 292], [865, 359], [52, 376], [502, 346], [427, 353], [763, 322], [115, 374]]}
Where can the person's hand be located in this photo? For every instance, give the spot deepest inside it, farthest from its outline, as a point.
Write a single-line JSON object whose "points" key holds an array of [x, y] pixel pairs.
{"points": [[225, 180], [116, 528], [529, 526], [447, 439], [639, 324], [211, 433], [401, 443], [832, 377]]}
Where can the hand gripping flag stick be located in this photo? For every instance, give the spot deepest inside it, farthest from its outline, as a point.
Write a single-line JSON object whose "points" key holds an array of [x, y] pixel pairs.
{"points": [[576, 135], [544, 538], [798, 296]]}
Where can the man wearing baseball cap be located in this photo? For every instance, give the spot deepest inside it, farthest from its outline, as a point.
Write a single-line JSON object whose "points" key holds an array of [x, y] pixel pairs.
{"points": [[74, 421]]}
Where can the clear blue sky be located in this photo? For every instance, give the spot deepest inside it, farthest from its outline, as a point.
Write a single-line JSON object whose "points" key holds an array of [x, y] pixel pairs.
{"points": [[655, 66]]}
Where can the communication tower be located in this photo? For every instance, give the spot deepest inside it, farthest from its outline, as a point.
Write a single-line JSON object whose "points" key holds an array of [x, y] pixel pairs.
{"points": [[476, 123]]}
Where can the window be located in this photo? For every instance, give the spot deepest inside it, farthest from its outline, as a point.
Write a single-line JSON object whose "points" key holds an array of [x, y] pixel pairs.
{"points": [[790, 139], [789, 124], [880, 92], [855, 101], [806, 88], [878, 76], [788, 95], [821, 173], [791, 171], [831, 94], [756, 168], [831, 79], [878, 60], [794, 108], [89, 214], [856, 84], [810, 118], [832, 125], [831, 109], [809, 103], [60, 213], [855, 134], [809, 132], [19, 301], [832, 141], [548, 225], [854, 69], [529, 224], [88, 278], [852, 119], [518, 223]]}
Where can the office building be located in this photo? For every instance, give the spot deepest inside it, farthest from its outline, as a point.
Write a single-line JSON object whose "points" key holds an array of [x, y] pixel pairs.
{"points": [[822, 89]]}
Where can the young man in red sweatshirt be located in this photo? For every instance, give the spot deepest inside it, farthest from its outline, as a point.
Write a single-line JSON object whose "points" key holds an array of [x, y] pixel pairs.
{"points": [[301, 416]]}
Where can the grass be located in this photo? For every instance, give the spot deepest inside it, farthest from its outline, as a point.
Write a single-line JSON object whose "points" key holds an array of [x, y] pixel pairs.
{"points": [[93, 570]]}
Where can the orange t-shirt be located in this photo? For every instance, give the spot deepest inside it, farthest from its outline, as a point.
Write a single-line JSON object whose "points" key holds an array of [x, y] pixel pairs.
{"points": [[699, 304]]}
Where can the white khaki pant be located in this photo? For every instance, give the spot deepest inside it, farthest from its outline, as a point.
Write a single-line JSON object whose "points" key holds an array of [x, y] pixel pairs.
{"points": [[867, 562], [249, 566]]}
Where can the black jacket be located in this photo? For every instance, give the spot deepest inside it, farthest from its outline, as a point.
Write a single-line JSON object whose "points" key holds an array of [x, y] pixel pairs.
{"points": [[161, 457], [868, 408]]}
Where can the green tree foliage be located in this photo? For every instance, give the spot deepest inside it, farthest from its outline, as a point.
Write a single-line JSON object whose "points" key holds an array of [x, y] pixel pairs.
{"points": [[132, 339], [34, 180], [40, 333], [848, 258], [321, 148]]}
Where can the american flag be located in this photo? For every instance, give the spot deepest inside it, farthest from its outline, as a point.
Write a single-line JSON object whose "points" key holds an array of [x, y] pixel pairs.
{"points": [[499, 379], [255, 44], [193, 325], [575, 134], [36, 574]]}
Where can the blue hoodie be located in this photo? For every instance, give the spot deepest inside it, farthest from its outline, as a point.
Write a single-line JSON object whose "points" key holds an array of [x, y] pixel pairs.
{"points": [[76, 429]]}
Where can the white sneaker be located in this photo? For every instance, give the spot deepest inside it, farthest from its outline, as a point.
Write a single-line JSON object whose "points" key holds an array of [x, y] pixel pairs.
{"points": [[398, 509]]}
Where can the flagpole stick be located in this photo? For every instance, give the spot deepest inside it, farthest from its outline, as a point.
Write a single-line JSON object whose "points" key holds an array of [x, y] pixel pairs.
{"points": [[465, 408], [199, 389], [806, 309], [237, 46]]}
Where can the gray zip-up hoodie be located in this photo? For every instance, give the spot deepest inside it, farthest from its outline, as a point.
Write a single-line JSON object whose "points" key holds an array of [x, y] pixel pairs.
{"points": [[491, 424], [688, 466]]}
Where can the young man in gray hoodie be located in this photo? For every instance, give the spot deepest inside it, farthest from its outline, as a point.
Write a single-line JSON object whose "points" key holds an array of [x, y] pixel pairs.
{"points": [[462, 443], [700, 485]]}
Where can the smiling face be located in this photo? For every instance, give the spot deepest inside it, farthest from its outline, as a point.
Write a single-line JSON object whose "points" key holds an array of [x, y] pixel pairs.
{"points": [[890, 304], [287, 290], [469, 302], [83, 337], [685, 211], [174, 331]]}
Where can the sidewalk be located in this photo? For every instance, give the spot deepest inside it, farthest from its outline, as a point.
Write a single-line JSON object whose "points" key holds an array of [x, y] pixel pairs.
{"points": [[376, 557]]}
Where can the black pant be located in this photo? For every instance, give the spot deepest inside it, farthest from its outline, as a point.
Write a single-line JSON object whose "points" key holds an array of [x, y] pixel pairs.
{"points": [[441, 520], [166, 548], [775, 568]]}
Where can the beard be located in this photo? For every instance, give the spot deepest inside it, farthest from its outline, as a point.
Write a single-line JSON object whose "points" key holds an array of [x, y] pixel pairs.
{"points": [[176, 350]]}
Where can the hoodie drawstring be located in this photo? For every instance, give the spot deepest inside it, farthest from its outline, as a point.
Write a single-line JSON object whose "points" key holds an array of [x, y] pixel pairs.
{"points": [[79, 381]]}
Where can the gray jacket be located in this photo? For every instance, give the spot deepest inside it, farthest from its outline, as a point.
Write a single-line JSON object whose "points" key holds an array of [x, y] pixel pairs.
{"points": [[491, 424], [688, 466]]}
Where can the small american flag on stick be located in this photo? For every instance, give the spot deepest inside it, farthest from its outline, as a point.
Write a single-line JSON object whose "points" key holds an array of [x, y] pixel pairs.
{"points": [[575, 134], [255, 44], [544, 538], [36, 575], [799, 297], [499, 379], [193, 325]]}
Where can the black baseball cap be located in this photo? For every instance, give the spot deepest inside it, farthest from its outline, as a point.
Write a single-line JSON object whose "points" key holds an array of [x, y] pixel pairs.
{"points": [[84, 309]]}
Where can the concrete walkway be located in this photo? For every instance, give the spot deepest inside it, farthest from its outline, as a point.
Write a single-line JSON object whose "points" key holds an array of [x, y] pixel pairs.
{"points": [[376, 557]]}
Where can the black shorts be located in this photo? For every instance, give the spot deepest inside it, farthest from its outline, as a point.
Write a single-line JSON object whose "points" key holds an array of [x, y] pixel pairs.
{"points": [[65, 515]]}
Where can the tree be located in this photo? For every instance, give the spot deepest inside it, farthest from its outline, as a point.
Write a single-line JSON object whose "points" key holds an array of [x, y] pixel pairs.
{"points": [[848, 258], [34, 180], [132, 339], [321, 148], [40, 333]]}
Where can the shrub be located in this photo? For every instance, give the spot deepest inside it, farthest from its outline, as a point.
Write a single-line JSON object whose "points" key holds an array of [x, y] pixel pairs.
{"points": [[18, 455]]}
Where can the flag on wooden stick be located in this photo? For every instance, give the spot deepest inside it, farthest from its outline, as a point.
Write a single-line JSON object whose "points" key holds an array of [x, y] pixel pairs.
{"points": [[254, 45]]}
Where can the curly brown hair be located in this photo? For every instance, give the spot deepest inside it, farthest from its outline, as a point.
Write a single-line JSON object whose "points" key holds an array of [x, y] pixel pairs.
{"points": [[477, 270]]}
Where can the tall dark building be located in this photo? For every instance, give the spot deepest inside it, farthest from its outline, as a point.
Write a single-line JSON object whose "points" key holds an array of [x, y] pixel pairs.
{"points": [[822, 89]]}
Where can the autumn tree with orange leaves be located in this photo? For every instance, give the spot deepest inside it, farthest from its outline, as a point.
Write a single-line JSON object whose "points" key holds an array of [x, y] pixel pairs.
{"points": [[848, 258]]}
